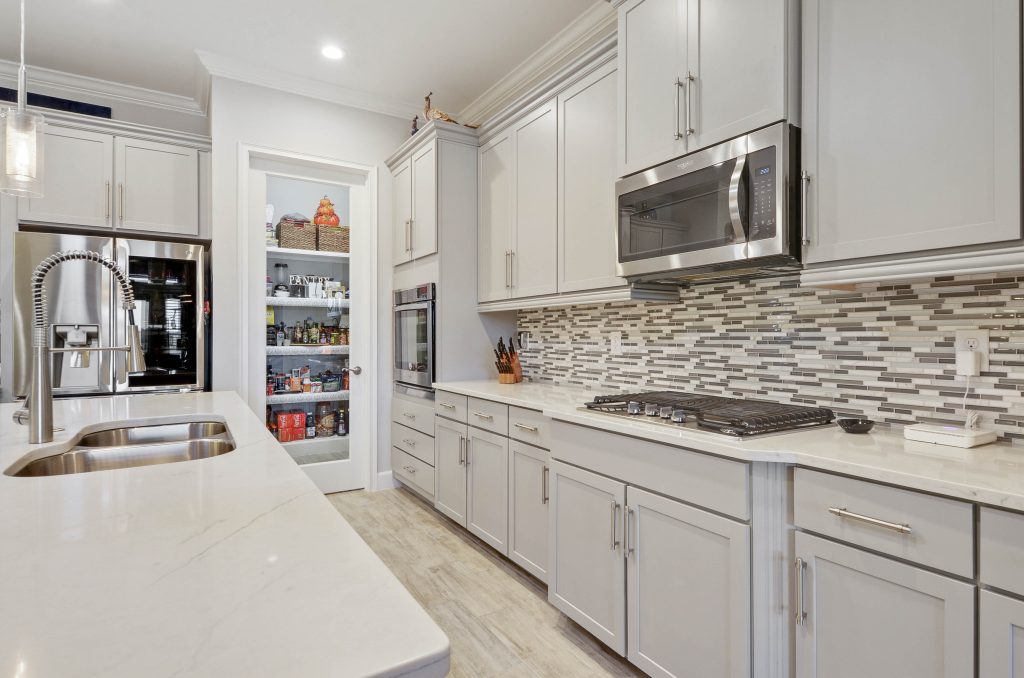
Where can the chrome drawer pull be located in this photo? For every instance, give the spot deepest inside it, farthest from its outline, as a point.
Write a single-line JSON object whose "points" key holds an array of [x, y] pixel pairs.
{"points": [[410, 443], [409, 415], [484, 416], [801, 614], [524, 427], [895, 527], [447, 406]]}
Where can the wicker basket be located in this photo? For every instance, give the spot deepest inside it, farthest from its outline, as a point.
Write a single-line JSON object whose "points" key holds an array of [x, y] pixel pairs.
{"points": [[296, 235], [333, 238]]}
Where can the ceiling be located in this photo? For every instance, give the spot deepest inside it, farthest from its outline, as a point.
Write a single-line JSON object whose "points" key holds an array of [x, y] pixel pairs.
{"points": [[395, 49]]}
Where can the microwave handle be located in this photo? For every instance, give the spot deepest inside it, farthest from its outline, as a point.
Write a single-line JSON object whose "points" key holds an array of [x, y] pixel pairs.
{"points": [[739, 233]]}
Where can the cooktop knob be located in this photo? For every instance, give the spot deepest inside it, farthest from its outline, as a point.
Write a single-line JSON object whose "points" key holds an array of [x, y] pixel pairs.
{"points": [[651, 409], [678, 416], [633, 407], [665, 412]]}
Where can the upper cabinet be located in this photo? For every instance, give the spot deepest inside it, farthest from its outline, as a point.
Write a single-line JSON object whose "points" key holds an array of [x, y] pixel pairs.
{"points": [[693, 73], [911, 137], [104, 181]]}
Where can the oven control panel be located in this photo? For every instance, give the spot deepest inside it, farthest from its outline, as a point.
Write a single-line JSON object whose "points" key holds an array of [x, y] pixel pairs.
{"points": [[763, 213]]}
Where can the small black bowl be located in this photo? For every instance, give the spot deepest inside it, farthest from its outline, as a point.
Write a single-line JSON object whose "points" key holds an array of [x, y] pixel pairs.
{"points": [[856, 425]]}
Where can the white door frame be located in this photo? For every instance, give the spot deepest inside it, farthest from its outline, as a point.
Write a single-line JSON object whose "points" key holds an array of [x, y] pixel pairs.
{"points": [[252, 293]]}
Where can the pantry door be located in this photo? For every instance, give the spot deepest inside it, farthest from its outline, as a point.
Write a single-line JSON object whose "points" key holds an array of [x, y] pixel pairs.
{"points": [[336, 460]]}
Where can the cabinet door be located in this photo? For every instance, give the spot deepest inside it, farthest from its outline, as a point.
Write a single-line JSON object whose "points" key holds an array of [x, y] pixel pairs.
{"points": [[735, 90], [587, 257], [911, 116], [77, 186], [535, 244], [157, 187], [1001, 636], [528, 508], [652, 69], [586, 574], [401, 213], [487, 468], [450, 469], [424, 202], [688, 589], [870, 616], [495, 228]]}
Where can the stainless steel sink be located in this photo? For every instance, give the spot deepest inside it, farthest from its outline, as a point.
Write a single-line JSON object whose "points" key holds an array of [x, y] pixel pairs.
{"points": [[130, 446]]}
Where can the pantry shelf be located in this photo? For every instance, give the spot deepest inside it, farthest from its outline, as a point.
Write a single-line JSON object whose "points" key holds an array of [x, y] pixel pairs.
{"points": [[305, 255], [307, 350], [323, 397], [318, 450], [304, 302]]}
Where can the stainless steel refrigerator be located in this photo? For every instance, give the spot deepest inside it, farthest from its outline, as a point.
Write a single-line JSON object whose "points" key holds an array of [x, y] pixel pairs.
{"points": [[85, 309]]}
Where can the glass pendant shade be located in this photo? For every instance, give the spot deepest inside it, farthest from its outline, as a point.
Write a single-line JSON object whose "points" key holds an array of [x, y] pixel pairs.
{"points": [[21, 145]]}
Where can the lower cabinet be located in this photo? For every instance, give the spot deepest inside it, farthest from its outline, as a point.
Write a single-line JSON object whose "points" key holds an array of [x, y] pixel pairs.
{"points": [[450, 439], [687, 589], [487, 491], [587, 572], [858, 614], [1001, 636], [528, 508]]}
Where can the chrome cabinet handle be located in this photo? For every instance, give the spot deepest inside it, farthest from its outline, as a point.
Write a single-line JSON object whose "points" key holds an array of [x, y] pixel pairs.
{"points": [[410, 469], [805, 181], [511, 268], [410, 443], [412, 244], [447, 406], [801, 614], [690, 80], [462, 451], [524, 427], [409, 415], [408, 235], [678, 85], [901, 528], [483, 415], [544, 474], [120, 189], [626, 531], [106, 204], [614, 525], [467, 452], [739, 234]]}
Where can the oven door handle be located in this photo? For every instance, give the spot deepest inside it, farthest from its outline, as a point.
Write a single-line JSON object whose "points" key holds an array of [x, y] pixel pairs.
{"points": [[738, 231]]}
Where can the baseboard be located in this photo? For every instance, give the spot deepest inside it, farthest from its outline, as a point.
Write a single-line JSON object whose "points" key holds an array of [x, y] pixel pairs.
{"points": [[385, 481]]}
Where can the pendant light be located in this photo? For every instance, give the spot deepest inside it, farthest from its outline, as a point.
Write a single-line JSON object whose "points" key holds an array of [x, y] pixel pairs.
{"points": [[21, 140]]}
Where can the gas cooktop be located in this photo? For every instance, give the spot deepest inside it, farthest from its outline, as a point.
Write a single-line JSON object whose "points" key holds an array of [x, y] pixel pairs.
{"points": [[728, 416]]}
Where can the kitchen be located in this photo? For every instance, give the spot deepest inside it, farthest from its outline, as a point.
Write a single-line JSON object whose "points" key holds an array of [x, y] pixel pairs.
{"points": [[651, 356]]}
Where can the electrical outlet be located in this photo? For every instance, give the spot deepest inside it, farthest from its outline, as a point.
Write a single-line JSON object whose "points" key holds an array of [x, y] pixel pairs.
{"points": [[524, 341], [974, 340], [615, 343]]}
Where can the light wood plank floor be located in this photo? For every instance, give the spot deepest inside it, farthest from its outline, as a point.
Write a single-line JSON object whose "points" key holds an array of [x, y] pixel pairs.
{"points": [[496, 616]]}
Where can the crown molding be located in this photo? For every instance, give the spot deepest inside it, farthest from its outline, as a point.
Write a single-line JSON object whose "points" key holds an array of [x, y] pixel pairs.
{"points": [[432, 131], [589, 29], [217, 65], [66, 84]]}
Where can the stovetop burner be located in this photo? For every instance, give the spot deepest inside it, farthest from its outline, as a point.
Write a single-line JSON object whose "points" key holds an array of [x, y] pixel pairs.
{"points": [[730, 416]]}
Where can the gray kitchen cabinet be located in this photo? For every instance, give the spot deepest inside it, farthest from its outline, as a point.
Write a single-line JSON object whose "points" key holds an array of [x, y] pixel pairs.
{"points": [[401, 212], [1001, 636], [859, 614], [534, 243], [423, 230], [586, 575], [78, 188], [528, 508], [587, 257], [911, 126], [693, 73], [157, 187], [496, 218], [688, 589], [450, 439], [486, 465]]}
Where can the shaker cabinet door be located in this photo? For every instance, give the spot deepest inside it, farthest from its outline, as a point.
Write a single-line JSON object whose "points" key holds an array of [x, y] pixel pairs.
{"points": [[1001, 636], [487, 506], [495, 225], [535, 245], [79, 169], [911, 125], [528, 508], [401, 213], [157, 187], [450, 469], [870, 616], [424, 202]]}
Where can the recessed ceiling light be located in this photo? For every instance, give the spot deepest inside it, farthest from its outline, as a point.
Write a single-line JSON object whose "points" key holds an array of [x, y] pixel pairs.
{"points": [[332, 52]]}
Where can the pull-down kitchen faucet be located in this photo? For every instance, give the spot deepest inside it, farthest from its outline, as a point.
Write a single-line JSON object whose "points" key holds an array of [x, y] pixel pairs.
{"points": [[38, 408]]}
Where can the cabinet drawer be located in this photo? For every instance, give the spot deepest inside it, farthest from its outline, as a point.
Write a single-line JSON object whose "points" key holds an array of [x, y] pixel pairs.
{"points": [[417, 415], [451, 405], [413, 472], [529, 426], [933, 531], [413, 442], [1001, 550], [488, 415]]}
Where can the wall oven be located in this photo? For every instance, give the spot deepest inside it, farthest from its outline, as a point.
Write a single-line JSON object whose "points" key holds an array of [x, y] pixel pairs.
{"points": [[414, 337], [723, 212]]}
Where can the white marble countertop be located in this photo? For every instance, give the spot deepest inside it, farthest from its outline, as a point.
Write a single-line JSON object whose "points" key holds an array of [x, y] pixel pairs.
{"points": [[991, 474], [230, 566]]}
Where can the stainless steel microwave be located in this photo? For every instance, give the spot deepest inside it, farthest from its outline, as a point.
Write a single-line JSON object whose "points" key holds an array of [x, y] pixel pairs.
{"points": [[728, 211]]}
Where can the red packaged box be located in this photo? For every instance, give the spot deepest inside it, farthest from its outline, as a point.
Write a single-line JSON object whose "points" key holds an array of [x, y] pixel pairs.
{"points": [[287, 435], [284, 420], [298, 419]]}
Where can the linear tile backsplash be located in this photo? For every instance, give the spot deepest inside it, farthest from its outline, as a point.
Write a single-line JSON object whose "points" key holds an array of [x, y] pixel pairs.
{"points": [[880, 351]]}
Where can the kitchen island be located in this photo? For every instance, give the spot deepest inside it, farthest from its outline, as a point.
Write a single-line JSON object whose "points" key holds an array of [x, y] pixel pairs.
{"points": [[234, 565]]}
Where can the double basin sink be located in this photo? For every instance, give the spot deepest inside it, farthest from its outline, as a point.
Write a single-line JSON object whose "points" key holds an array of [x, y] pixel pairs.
{"points": [[128, 446]]}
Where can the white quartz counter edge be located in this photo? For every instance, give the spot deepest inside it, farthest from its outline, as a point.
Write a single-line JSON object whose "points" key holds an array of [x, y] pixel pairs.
{"points": [[233, 565], [991, 474]]}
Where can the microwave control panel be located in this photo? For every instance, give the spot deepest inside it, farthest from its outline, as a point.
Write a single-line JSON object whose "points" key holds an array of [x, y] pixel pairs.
{"points": [[762, 171]]}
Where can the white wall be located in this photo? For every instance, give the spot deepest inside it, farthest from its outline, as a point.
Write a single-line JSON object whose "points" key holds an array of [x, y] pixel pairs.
{"points": [[248, 114]]}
